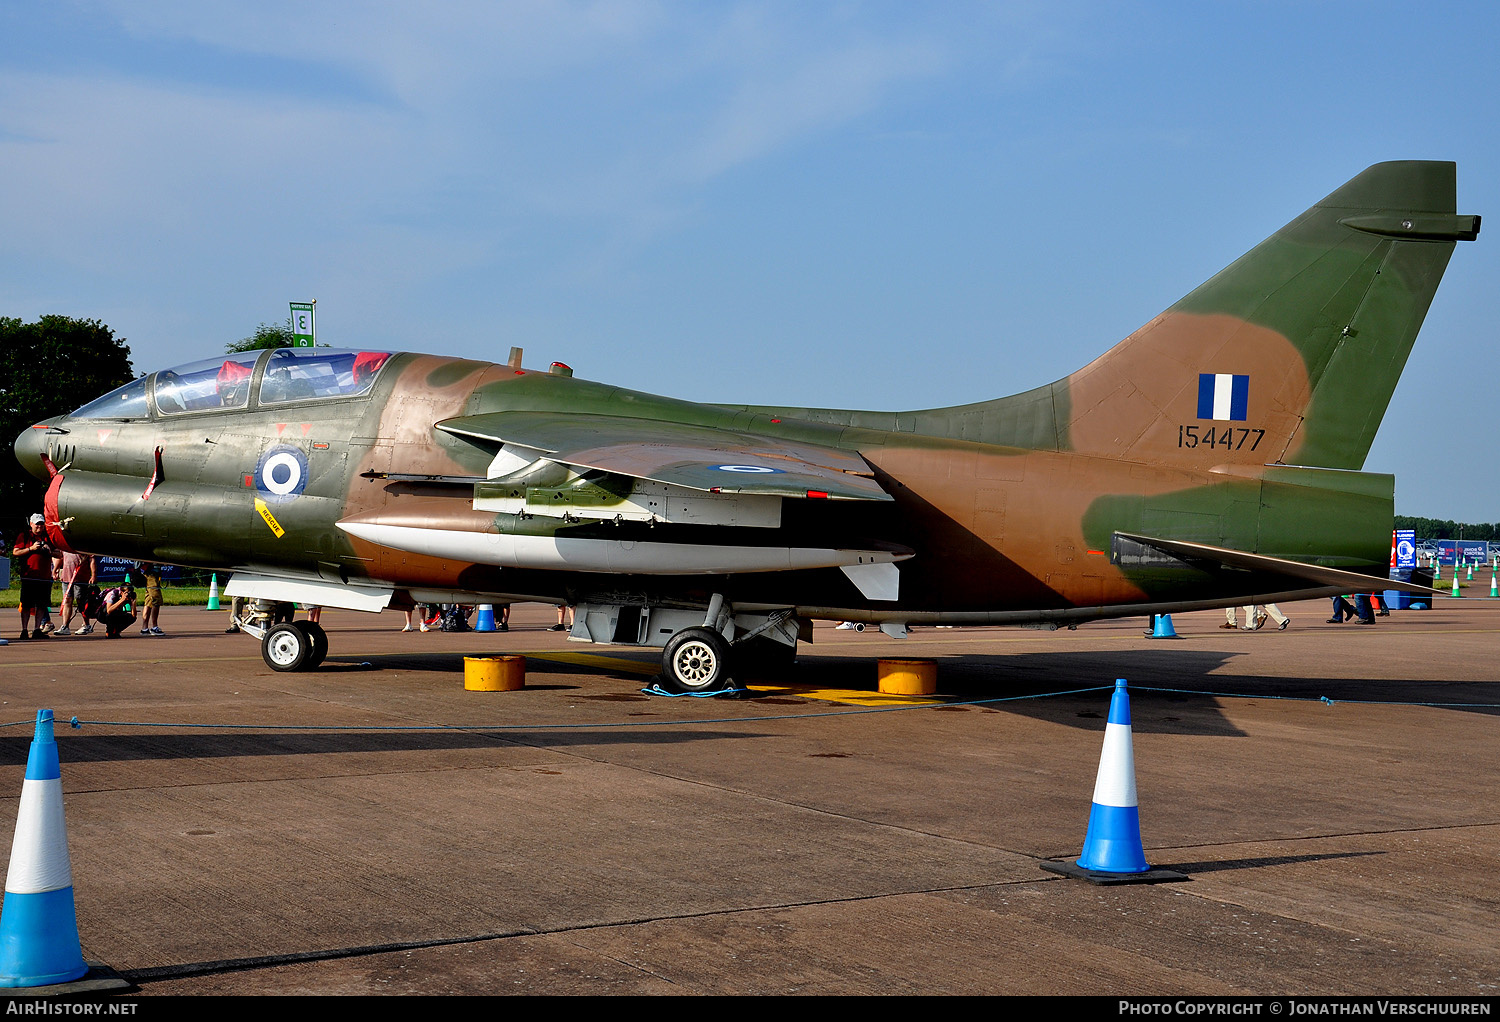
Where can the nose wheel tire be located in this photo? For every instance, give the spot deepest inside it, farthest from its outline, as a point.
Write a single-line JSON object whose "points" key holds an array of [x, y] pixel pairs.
{"points": [[286, 647], [696, 660]]}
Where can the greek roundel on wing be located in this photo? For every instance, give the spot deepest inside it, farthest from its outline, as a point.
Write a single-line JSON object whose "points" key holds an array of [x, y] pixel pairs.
{"points": [[748, 469], [281, 474]]}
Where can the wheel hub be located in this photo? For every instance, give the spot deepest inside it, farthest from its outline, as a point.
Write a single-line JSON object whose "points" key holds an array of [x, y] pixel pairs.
{"points": [[696, 663]]}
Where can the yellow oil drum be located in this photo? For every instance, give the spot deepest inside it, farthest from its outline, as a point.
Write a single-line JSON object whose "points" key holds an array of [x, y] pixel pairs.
{"points": [[908, 677], [494, 673]]}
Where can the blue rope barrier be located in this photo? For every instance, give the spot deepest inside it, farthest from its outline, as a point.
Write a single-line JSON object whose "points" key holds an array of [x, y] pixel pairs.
{"points": [[78, 723]]}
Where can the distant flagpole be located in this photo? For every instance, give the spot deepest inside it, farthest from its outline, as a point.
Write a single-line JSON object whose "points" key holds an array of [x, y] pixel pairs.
{"points": [[304, 324]]}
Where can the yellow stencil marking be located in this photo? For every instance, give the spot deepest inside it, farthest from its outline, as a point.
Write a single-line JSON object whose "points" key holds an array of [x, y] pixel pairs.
{"points": [[271, 521]]}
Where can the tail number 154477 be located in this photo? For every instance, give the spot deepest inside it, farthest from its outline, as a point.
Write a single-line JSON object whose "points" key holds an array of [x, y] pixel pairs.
{"points": [[1226, 438]]}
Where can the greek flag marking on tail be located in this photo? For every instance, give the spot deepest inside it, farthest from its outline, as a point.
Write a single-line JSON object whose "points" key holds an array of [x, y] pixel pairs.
{"points": [[1223, 396]]}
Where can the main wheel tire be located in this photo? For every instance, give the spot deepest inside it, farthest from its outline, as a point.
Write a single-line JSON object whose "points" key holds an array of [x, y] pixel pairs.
{"points": [[286, 647], [319, 640], [696, 660]]}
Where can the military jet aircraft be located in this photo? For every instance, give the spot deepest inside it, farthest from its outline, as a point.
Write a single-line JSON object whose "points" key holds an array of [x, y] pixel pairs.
{"points": [[1212, 457]]}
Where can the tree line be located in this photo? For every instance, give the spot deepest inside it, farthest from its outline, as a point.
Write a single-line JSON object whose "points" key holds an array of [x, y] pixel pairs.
{"points": [[1433, 528]]}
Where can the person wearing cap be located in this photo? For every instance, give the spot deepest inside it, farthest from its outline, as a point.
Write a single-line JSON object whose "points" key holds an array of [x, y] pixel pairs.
{"points": [[34, 564]]}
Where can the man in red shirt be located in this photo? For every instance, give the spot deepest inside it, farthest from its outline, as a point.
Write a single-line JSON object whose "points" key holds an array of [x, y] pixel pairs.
{"points": [[34, 564]]}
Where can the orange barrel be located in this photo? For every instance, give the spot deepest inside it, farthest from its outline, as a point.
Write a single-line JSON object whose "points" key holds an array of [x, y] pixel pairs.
{"points": [[494, 673], [908, 677]]}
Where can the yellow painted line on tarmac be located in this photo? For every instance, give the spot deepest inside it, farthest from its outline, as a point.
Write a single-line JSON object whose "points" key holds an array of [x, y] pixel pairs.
{"points": [[853, 697], [609, 663]]}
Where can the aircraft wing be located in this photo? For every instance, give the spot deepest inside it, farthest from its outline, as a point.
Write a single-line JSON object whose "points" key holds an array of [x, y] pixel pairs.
{"points": [[1351, 581], [703, 458]]}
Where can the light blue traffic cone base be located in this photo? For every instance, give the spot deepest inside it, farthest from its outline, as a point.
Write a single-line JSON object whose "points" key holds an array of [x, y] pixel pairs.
{"points": [[1113, 841], [39, 940], [484, 621], [1162, 628]]}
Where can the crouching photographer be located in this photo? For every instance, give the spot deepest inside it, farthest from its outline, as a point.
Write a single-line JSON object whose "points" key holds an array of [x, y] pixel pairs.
{"points": [[118, 612]]}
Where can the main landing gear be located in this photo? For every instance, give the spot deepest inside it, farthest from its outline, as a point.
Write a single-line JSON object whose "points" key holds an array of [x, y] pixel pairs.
{"points": [[294, 646], [288, 645], [696, 660], [705, 647]]}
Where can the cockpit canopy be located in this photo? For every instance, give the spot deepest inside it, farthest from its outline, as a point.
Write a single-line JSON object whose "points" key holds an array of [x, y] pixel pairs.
{"points": [[273, 377]]}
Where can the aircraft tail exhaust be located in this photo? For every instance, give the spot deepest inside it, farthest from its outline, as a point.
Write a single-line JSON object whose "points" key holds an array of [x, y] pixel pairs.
{"points": [[1288, 356]]}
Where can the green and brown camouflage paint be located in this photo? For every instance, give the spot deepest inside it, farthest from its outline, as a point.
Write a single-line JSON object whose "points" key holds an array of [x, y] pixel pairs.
{"points": [[1012, 507]]}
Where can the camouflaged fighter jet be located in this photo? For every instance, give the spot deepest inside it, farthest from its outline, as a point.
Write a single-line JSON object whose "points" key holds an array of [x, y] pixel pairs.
{"points": [[1211, 458]]}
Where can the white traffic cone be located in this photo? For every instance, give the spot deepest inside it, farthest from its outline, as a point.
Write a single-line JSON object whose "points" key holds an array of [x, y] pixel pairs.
{"points": [[38, 928]]}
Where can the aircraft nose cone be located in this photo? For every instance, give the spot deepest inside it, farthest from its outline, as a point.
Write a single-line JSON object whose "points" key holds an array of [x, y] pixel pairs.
{"points": [[31, 445]]}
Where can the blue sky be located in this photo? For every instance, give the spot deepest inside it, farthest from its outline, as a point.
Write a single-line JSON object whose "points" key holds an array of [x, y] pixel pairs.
{"points": [[876, 205]]}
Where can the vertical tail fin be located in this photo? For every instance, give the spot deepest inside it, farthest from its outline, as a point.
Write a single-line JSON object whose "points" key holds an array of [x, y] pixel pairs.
{"points": [[1289, 355]]}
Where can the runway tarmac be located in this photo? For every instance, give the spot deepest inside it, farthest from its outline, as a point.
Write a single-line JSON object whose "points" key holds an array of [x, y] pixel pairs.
{"points": [[373, 828]]}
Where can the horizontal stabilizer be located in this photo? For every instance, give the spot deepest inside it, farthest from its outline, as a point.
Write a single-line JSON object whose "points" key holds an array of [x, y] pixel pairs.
{"points": [[699, 457], [1352, 581]]}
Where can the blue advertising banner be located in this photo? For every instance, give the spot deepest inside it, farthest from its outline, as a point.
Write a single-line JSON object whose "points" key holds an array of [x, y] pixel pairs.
{"points": [[112, 569], [1406, 549], [1466, 551]]}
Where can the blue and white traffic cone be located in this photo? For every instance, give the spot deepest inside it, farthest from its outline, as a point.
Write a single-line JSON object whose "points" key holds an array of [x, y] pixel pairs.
{"points": [[38, 927], [1161, 627], [484, 621], [1112, 850], [1113, 842]]}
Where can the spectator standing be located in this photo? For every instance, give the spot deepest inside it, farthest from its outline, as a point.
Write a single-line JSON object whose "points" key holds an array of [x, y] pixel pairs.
{"points": [[1342, 609], [79, 574], [151, 612], [34, 564]]}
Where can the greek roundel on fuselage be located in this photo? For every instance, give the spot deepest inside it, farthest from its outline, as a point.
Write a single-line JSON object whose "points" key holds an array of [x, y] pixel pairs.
{"points": [[281, 474]]}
